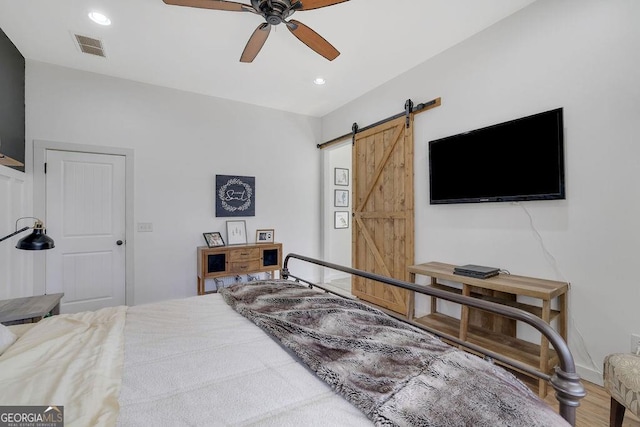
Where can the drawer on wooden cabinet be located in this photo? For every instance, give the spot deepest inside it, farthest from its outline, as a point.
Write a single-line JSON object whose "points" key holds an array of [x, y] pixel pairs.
{"points": [[244, 266], [244, 254]]}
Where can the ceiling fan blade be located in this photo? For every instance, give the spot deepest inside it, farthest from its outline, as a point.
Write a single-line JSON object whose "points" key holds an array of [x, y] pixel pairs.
{"points": [[316, 4], [213, 4], [312, 39], [256, 42]]}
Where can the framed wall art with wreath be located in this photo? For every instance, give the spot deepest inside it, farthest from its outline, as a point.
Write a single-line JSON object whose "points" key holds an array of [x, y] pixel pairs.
{"points": [[235, 195]]}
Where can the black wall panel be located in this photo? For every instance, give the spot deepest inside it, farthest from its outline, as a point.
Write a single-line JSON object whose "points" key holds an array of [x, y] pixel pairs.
{"points": [[12, 116]]}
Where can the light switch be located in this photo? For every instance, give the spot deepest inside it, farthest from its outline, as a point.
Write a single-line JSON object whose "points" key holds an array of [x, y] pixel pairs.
{"points": [[145, 227]]}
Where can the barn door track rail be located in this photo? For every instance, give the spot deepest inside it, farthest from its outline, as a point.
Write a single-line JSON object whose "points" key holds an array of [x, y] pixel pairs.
{"points": [[409, 108]]}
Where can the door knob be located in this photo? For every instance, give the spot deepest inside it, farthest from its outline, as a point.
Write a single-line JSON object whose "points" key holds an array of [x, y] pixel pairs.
{"points": [[119, 242]]}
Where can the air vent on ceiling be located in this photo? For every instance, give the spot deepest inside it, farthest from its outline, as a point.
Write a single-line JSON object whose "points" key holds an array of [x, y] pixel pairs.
{"points": [[90, 45]]}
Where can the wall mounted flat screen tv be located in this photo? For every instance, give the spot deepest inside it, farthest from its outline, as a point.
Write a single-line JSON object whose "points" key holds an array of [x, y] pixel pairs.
{"points": [[521, 159]]}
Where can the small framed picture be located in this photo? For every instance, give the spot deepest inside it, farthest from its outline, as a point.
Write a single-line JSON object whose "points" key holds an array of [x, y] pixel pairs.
{"points": [[341, 176], [265, 236], [341, 198], [341, 219], [236, 232], [213, 239]]}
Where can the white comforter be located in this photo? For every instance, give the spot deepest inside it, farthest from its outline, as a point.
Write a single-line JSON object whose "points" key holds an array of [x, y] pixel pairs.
{"points": [[193, 362], [73, 361], [197, 362]]}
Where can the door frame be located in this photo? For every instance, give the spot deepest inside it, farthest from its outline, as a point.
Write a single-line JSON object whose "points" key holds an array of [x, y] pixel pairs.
{"points": [[40, 148], [327, 203]]}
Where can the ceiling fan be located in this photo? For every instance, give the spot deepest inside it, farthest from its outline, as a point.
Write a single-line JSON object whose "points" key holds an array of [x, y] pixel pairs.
{"points": [[274, 12]]}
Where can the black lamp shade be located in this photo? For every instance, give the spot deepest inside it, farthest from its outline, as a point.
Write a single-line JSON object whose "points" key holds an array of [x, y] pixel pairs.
{"points": [[38, 240]]}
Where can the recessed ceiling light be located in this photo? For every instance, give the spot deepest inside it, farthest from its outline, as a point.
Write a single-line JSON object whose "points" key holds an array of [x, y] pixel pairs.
{"points": [[319, 81], [99, 18]]}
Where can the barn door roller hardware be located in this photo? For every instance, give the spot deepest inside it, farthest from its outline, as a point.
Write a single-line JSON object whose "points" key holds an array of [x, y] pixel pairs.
{"points": [[354, 131], [409, 109]]}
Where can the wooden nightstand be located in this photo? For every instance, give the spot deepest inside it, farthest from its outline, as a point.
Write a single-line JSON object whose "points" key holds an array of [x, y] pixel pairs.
{"points": [[29, 309]]}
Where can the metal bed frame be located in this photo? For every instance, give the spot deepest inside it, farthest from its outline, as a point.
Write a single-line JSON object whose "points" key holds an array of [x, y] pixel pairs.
{"points": [[565, 381]]}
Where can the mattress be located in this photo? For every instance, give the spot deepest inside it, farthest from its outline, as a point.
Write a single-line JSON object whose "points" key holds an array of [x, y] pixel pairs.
{"points": [[193, 361]]}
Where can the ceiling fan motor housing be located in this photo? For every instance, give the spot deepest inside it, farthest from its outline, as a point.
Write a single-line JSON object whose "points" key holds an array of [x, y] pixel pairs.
{"points": [[274, 11]]}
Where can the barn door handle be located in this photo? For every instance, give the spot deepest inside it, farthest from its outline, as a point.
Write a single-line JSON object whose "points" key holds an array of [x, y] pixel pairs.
{"points": [[119, 242]]}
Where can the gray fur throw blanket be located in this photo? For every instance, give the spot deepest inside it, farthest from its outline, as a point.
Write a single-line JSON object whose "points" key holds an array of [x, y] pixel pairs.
{"points": [[396, 374]]}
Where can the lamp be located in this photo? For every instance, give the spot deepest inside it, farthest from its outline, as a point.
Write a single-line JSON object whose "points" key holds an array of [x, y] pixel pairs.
{"points": [[38, 240]]}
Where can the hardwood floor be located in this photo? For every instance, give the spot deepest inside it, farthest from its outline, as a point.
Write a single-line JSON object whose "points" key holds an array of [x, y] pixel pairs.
{"points": [[594, 408]]}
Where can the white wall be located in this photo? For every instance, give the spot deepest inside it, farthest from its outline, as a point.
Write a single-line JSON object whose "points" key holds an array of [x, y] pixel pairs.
{"points": [[16, 266], [181, 141], [580, 55]]}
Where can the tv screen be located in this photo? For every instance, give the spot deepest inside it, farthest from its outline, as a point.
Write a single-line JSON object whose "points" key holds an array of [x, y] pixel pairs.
{"points": [[517, 160]]}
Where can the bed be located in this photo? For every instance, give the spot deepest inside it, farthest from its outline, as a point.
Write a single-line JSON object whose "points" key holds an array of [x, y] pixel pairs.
{"points": [[268, 353]]}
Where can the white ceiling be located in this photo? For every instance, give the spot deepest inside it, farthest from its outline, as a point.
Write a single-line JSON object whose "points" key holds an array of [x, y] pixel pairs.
{"points": [[198, 50]]}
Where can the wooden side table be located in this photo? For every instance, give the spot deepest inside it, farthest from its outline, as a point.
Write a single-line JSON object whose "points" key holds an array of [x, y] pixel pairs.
{"points": [[29, 309]]}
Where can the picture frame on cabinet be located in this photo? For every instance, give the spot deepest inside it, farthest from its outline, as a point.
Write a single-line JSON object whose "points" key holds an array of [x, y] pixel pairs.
{"points": [[237, 232], [213, 239], [265, 235]]}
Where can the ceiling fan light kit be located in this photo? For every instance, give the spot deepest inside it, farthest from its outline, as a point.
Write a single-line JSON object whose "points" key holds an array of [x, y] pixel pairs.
{"points": [[274, 12]]}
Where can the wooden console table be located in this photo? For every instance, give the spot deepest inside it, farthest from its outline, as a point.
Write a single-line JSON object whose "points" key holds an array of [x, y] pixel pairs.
{"points": [[233, 260], [492, 331]]}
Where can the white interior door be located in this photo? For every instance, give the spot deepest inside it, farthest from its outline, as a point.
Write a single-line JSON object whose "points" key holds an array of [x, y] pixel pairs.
{"points": [[85, 210]]}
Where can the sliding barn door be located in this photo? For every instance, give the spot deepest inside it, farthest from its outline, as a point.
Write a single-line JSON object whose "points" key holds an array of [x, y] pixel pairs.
{"points": [[383, 211]]}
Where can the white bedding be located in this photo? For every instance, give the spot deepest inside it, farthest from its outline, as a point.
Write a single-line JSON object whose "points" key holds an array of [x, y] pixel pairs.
{"points": [[197, 362], [192, 362], [73, 361]]}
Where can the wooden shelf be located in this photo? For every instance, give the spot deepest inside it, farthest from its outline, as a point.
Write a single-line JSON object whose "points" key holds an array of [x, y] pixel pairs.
{"points": [[533, 309], [514, 348], [492, 331], [510, 283], [8, 161]]}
